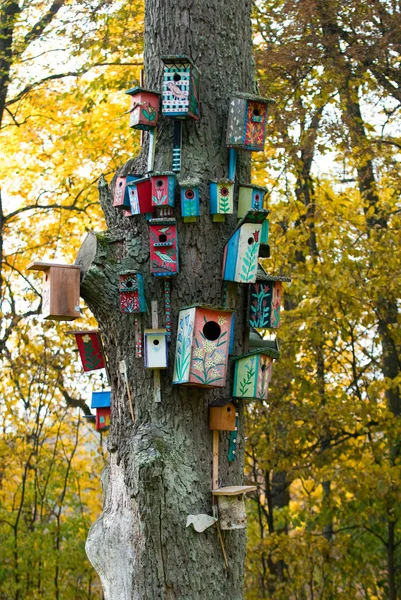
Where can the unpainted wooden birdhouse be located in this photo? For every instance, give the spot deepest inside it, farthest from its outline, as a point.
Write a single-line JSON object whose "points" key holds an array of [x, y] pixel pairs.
{"points": [[140, 197], [247, 118], [222, 415], [163, 247], [144, 110], [221, 199], [253, 372], [180, 97], [250, 197], [132, 295], [61, 290], [231, 505], [156, 349], [266, 296], [101, 402], [241, 252], [163, 189], [190, 206], [90, 349], [120, 197], [203, 344]]}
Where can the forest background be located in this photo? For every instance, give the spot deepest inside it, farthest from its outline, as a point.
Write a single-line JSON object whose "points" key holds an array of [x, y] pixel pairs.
{"points": [[325, 450]]}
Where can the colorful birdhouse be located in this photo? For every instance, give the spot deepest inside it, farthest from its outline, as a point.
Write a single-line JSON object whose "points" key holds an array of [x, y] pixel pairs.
{"points": [[264, 248], [231, 505], [203, 342], [163, 189], [250, 197], [241, 252], [266, 296], [222, 415], [132, 295], [253, 372], [101, 402], [221, 199], [156, 355], [121, 197], [247, 118], [163, 247], [61, 290], [90, 349], [190, 208], [180, 97], [139, 194], [144, 111]]}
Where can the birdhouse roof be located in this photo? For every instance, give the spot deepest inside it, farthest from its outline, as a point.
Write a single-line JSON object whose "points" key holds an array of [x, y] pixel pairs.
{"points": [[178, 60], [266, 350], [210, 307], [82, 331], [263, 276], [136, 181], [89, 417], [129, 272], [221, 402], [37, 265], [101, 399], [155, 332], [162, 174], [162, 221], [224, 180], [234, 490], [254, 187], [252, 216], [189, 182], [252, 97], [137, 89]]}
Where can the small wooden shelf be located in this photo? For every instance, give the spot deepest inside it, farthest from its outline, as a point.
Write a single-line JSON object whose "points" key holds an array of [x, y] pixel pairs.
{"points": [[234, 490]]}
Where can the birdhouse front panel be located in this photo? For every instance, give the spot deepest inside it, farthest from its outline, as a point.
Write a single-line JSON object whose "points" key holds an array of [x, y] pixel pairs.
{"points": [[180, 97], [241, 254], [90, 350], [102, 418], [190, 207], [222, 197], [60, 292], [140, 196], [144, 111], [231, 506], [163, 247], [265, 303], [250, 197], [252, 374], [247, 120], [132, 295], [156, 349], [203, 341], [121, 198], [222, 415], [163, 189]]}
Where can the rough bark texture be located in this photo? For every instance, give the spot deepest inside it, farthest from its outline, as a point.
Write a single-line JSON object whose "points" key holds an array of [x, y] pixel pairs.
{"points": [[160, 468]]}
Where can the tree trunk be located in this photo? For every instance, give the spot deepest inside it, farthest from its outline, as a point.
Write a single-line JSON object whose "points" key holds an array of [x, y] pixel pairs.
{"points": [[159, 469]]}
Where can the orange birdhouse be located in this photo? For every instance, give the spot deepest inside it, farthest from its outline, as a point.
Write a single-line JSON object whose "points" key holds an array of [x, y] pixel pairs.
{"points": [[222, 413]]}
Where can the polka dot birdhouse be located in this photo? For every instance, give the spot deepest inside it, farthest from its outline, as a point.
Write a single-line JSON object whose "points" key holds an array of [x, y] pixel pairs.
{"points": [[163, 247], [221, 199], [144, 110], [60, 290], [247, 118], [250, 197], [266, 296], [189, 193], [253, 373], [180, 96], [132, 295]]}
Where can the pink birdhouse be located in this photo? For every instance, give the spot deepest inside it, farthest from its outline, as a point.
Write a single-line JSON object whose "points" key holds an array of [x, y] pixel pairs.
{"points": [[144, 111], [163, 247]]}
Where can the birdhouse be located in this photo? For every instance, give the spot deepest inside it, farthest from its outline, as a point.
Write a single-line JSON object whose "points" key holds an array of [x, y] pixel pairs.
{"points": [[247, 118], [265, 300], [253, 373], [231, 505], [241, 252], [190, 208], [156, 356], [61, 290], [203, 342], [250, 197], [221, 199], [140, 196], [144, 110], [101, 402], [120, 197], [132, 295], [163, 189], [163, 247], [180, 97], [90, 349], [222, 414]]}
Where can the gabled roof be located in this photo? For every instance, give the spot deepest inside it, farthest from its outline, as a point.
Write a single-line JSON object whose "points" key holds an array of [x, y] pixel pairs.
{"points": [[263, 276], [137, 89], [209, 307], [178, 60], [266, 351], [252, 97], [221, 402]]}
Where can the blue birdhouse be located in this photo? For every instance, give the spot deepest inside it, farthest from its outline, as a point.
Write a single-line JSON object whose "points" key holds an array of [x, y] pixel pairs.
{"points": [[221, 199], [180, 96], [190, 207], [101, 402], [253, 372]]}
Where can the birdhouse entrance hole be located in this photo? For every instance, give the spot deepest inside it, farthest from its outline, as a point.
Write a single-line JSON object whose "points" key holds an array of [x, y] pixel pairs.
{"points": [[177, 77], [211, 330], [162, 238], [250, 241], [189, 194], [129, 284], [159, 183], [156, 342], [256, 112]]}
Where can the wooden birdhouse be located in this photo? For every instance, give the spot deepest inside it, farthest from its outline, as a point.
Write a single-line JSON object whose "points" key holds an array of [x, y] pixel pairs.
{"points": [[231, 505], [163, 247], [163, 189], [61, 290], [247, 118], [101, 402], [180, 97], [120, 197], [144, 111], [266, 296], [139, 194], [222, 414], [203, 342], [250, 197], [90, 349], [190, 207], [221, 199], [156, 354], [240, 261], [253, 373], [132, 295]]}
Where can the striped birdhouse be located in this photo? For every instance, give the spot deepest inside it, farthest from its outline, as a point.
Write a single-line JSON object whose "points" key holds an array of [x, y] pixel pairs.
{"points": [[163, 247], [247, 118], [190, 207], [180, 96], [144, 110], [132, 296], [221, 199], [253, 372]]}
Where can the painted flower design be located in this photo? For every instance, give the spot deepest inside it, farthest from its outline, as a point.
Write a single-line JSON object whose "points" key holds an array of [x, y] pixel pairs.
{"points": [[221, 320], [198, 353], [86, 339], [198, 367], [209, 346], [210, 362]]}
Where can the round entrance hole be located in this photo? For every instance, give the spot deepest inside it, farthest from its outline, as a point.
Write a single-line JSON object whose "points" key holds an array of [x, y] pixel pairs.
{"points": [[256, 112], [162, 238], [159, 183], [129, 283], [177, 77], [211, 330], [156, 342], [228, 409], [224, 191], [257, 197], [189, 194], [250, 241], [120, 184]]}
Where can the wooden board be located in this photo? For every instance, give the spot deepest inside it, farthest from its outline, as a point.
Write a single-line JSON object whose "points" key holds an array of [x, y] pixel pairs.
{"points": [[234, 490]]}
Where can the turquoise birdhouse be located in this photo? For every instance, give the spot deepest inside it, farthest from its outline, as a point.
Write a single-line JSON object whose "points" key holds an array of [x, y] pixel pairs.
{"points": [[190, 207], [253, 372]]}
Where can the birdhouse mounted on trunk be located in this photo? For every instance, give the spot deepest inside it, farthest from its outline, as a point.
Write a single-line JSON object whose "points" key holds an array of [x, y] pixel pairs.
{"points": [[231, 505], [253, 372], [222, 415], [156, 349], [163, 247], [132, 296], [250, 197], [101, 402], [266, 296], [144, 111], [203, 343], [221, 199], [189, 192], [90, 349], [163, 189], [61, 290], [180, 97], [120, 197], [139, 194], [247, 118], [240, 261]]}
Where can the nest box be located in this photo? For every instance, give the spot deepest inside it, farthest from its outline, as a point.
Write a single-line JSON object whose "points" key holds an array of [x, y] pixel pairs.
{"points": [[250, 197], [266, 296], [222, 415], [221, 198], [120, 197], [163, 247], [241, 252], [90, 349], [156, 349], [253, 373], [203, 344], [231, 505], [61, 290], [180, 97], [101, 402], [163, 189], [190, 207], [139, 194], [247, 118], [132, 295], [144, 110]]}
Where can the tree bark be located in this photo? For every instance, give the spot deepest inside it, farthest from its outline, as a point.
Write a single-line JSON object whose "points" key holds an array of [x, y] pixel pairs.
{"points": [[159, 470]]}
